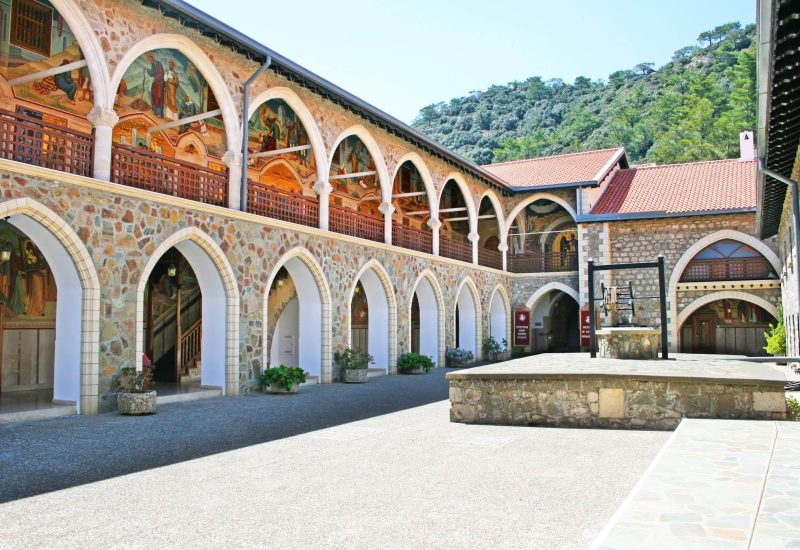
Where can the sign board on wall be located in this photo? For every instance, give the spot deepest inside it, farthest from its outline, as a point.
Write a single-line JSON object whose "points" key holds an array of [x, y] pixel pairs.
{"points": [[585, 332], [522, 328]]}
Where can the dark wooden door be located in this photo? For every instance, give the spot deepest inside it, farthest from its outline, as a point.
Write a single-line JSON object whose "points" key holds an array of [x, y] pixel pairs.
{"points": [[704, 328]]}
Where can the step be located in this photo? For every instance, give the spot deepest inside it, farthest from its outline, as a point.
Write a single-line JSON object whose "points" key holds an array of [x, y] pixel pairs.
{"points": [[204, 392], [310, 380], [38, 414], [374, 373]]}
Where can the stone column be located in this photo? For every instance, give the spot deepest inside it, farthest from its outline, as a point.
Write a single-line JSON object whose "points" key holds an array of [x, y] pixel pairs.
{"points": [[103, 121], [387, 209], [473, 238], [323, 190], [233, 160], [435, 224], [503, 248]]}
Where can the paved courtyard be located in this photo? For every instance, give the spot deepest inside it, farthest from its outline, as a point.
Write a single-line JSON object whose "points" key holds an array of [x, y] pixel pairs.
{"points": [[378, 465]]}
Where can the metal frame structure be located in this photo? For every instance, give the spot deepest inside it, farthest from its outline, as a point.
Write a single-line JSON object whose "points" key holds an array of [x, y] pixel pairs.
{"points": [[662, 296]]}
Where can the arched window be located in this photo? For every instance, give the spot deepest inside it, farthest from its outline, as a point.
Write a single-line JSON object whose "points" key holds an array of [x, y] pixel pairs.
{"points": [[728, 260]]}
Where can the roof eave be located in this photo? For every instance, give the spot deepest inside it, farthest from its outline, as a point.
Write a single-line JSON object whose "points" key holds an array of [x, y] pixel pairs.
{"points": [[550, 186], [656, 214]]}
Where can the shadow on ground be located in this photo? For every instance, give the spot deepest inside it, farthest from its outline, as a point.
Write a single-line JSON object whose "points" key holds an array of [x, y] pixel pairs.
{"points": [[48, 455]]}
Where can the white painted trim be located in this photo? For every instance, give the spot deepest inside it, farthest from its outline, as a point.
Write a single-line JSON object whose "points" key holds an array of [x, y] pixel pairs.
{"points": [[391, 300], [427, 180], [472, 212], [428, 275], [478, 313], [499, 290], [549, 287]]}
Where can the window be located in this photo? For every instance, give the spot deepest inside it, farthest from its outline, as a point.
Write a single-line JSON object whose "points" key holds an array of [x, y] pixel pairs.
{"points": [[31, 25]]}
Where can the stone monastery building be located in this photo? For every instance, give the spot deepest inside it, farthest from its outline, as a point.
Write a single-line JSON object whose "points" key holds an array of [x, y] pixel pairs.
{"points": [[142, 220]]}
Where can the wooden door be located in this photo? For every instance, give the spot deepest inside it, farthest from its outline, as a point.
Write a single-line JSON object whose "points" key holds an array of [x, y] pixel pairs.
{"points": [[704, 328]]}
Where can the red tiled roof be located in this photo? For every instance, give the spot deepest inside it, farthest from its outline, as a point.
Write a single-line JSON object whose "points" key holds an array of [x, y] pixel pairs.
{"points": [[675, 188], [570, 168]]}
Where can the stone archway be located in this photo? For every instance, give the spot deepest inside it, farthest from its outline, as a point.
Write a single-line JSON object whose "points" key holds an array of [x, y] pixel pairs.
{"points": [[382, 302], [467, 318], [76, 368], [499, 321], [220, 337], [431, 317]]}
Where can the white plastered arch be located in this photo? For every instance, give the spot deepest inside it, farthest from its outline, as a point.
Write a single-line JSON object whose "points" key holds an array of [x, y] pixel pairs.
{"points": [[499, 314], [196, 55], [427, 180], [427, 280], [289, 97], [470, 317], [533, 198], [91, 49], [688, 256], [726, 295], [498, 210], [220, 306], [380, 299], [374, 151], [472, 212], [77, 346], [549, 287], [314, 298]]}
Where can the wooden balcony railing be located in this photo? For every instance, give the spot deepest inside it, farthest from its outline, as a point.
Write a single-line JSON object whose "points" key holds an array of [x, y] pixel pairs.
{"points": [[490, 258], [282, 205], [455, 250], [33, 141], [728, 269], [413, 239], [143, 169], [357, 224], [537, 262]]}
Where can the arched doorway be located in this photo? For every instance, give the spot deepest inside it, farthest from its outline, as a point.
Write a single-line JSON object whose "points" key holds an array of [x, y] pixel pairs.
{"points": [[556, 323], [542, 237], [728, 326], [370, 319], [466, 320], [425, 320], [498, 316], [294, 318]]}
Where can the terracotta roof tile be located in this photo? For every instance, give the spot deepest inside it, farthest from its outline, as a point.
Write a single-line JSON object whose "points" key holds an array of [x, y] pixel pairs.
{"points": [[570, 168], [676, 188]]}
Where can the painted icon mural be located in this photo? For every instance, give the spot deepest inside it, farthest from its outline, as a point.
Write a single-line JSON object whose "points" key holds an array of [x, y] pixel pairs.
{"points": [[41, 59], [360, 192], [275, 127], [158, 101], [409, 184]]}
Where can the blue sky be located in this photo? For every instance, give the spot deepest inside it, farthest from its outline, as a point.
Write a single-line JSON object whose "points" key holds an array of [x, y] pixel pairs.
{"points": [[405, 54]]}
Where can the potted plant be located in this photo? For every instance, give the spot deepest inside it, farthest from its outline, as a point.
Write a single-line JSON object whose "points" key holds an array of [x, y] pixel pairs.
{"points": [[497, 351], [354, 363], [134, 395], [457, 357], [414, 363], [282, 379]]}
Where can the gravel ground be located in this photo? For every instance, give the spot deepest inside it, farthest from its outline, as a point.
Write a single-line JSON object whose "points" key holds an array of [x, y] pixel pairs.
{"points": [[298, 472]]}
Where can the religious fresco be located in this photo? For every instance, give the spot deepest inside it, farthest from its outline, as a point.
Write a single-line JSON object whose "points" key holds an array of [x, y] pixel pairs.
{"points": [[37, 41], [352, 157], [27, 286], [453, 198], [162, 87], [408, 180], [536, 221], [276, 126], [736, 313]]}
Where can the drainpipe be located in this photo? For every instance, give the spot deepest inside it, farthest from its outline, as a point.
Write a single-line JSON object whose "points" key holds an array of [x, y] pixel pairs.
{"points": [[246, 127], [795, 216]]}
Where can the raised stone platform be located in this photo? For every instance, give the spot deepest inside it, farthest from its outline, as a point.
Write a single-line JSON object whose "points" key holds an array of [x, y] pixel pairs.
{"points": [[572, 390]]}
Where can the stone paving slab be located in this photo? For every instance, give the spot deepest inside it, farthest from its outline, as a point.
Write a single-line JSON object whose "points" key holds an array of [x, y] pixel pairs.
{"points": [[716, 484], [579, 365]]}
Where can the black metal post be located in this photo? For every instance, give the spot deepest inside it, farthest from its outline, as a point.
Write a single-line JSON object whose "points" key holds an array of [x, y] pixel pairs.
{"points": [[592, 328], [662, 294]]}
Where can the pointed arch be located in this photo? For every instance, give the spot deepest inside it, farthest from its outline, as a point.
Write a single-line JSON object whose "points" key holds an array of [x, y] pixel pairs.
{"points": [[430, 279], [427, 179], [530, 199], [690, 253], [91, 49], [496, 204], [493, 321], [472, 211], [473, 318], [391, 310], [288, 96], [375, 152], [77, 352], [220, 339], [549, 287], [315, 308], [199, 58]]}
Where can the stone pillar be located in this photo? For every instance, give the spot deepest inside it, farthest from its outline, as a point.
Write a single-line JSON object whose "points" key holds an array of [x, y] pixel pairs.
{"points": [[103, 121], [387, 209], [323, 190], [473, 238], [503, 248], [233, 160], [435, 224]]}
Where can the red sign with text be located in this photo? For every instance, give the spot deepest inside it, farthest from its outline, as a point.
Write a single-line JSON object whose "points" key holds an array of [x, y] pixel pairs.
{"points": [[522, 328], [585, 332]]}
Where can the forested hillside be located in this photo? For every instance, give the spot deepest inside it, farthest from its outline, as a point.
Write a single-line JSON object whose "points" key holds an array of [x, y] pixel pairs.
{"points": [[692, 108]]}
